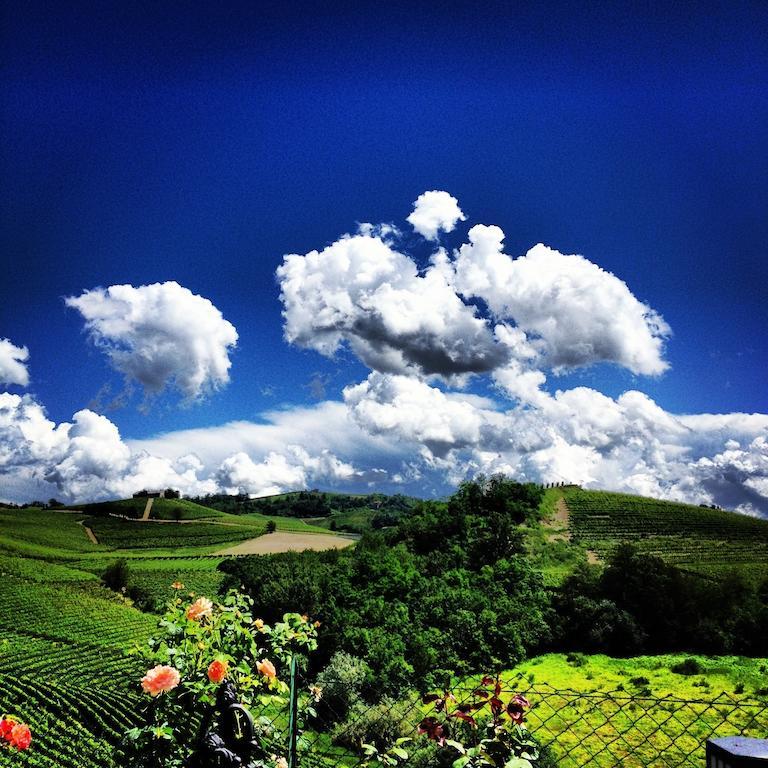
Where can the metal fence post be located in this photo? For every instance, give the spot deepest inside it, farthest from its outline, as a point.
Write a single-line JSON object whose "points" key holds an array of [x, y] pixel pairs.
{"points": [[293, 716]]}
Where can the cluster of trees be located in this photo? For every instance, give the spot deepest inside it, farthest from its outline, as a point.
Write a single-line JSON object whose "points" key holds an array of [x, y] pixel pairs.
{"points": [[448, 588], [50, 504], [640, 604]]}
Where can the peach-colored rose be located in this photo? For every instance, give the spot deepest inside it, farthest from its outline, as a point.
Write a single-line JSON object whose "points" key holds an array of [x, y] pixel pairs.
{"points": [[267, 668], [160, 679], [259, 624], [281, 762], [217, 671], [177, 585], [200, 608], [21, 736], [316, 625]]}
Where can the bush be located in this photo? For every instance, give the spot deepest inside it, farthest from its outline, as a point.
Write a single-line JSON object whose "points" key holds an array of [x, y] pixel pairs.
{"points": [[378, 724], [115, 576], [271, 526], [342, 683], [688, 667]]}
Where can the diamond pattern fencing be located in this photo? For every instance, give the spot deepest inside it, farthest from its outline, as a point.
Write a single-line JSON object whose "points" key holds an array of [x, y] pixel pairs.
{"points": [[602, 729]]}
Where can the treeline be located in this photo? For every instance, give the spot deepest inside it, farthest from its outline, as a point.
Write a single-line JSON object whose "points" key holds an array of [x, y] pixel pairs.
{"points": [[357, 513], [448, 588]]}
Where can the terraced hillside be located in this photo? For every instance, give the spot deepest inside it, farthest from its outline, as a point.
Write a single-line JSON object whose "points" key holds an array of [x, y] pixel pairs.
{"points": [[62, 662], [695, 538]]}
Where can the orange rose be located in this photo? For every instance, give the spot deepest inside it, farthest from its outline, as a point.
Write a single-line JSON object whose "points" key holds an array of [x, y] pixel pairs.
{"points": [[177, 585], [267, 668], [217, 671], [160, 679], [200, 608], [21, 736]]}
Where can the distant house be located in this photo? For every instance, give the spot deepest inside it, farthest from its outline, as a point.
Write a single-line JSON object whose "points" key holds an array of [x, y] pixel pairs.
{"points": [[164, 493]]}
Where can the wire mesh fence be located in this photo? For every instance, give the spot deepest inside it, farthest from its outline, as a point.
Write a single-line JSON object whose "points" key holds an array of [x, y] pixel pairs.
{"points": [[599, 729]]}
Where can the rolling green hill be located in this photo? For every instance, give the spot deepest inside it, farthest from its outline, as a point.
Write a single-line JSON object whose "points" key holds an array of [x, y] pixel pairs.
{"points": [[354, 513], [710, 541]]}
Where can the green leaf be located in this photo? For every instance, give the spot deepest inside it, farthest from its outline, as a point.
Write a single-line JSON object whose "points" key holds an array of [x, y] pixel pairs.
{"points": [[399, 752], [457, 745], [460, 762], [518, 762]]}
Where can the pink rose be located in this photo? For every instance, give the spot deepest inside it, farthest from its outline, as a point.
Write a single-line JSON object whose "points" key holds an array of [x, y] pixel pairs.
{"points": [[160, 679], [217, 671], [201, 607]]}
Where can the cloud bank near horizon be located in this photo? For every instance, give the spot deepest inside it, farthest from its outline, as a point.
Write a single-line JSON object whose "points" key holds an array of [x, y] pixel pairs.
{"points": [[427, 332]]}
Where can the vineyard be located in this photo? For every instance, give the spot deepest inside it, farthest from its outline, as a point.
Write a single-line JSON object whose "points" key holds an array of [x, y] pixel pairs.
{"points": [[692, 537], [63, 664]]}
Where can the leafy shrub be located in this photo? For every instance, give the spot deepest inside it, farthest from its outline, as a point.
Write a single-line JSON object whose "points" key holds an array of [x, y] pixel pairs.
{"points": [[115, 576], [342, 683], [271, 526], [688, 667], [380, 724], [203, 652], [639, 680]]}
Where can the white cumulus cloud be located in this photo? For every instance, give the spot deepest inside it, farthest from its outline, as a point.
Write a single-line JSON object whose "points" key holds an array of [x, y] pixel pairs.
{"points": [[573, 312], [473, 312], [362, 291], [435, 212], [13, 364], [160, 335]]}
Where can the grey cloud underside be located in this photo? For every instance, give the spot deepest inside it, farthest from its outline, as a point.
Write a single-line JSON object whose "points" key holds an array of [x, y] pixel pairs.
{"points": [[376, 346]]}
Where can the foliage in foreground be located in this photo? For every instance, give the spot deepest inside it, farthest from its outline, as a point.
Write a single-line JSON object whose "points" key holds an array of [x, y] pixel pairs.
{"points": [[201, 646]]}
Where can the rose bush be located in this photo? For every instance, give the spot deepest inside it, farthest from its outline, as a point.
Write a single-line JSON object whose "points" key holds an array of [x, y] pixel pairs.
{"points": [[14, 734], [201, 646]]}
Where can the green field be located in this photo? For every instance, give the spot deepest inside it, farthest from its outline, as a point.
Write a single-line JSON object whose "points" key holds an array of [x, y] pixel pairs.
{"points": [[63, 636]]}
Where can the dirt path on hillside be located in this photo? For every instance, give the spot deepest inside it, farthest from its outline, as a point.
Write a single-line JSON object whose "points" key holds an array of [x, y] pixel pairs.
{"points": [[89, 533], [559, 523], [284, 541], [147, 509]]}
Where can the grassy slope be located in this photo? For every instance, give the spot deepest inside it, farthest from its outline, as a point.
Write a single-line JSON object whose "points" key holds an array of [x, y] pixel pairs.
{"points": [[713, 542], [610, 709]]}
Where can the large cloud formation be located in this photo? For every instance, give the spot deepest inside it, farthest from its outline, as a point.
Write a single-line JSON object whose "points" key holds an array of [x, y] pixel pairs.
{"points": [[545, 310], [479, 312], [13, 364], [160, 335]]}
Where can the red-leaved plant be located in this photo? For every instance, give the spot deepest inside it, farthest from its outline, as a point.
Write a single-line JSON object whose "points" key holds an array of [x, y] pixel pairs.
{"points": [[485, 729]]}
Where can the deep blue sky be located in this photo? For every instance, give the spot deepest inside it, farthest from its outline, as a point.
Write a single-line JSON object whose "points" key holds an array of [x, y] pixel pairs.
{"points": [[150, 142]]}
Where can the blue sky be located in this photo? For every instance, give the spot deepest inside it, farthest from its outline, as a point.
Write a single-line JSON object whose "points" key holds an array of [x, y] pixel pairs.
{"points": [[177, 142]]}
